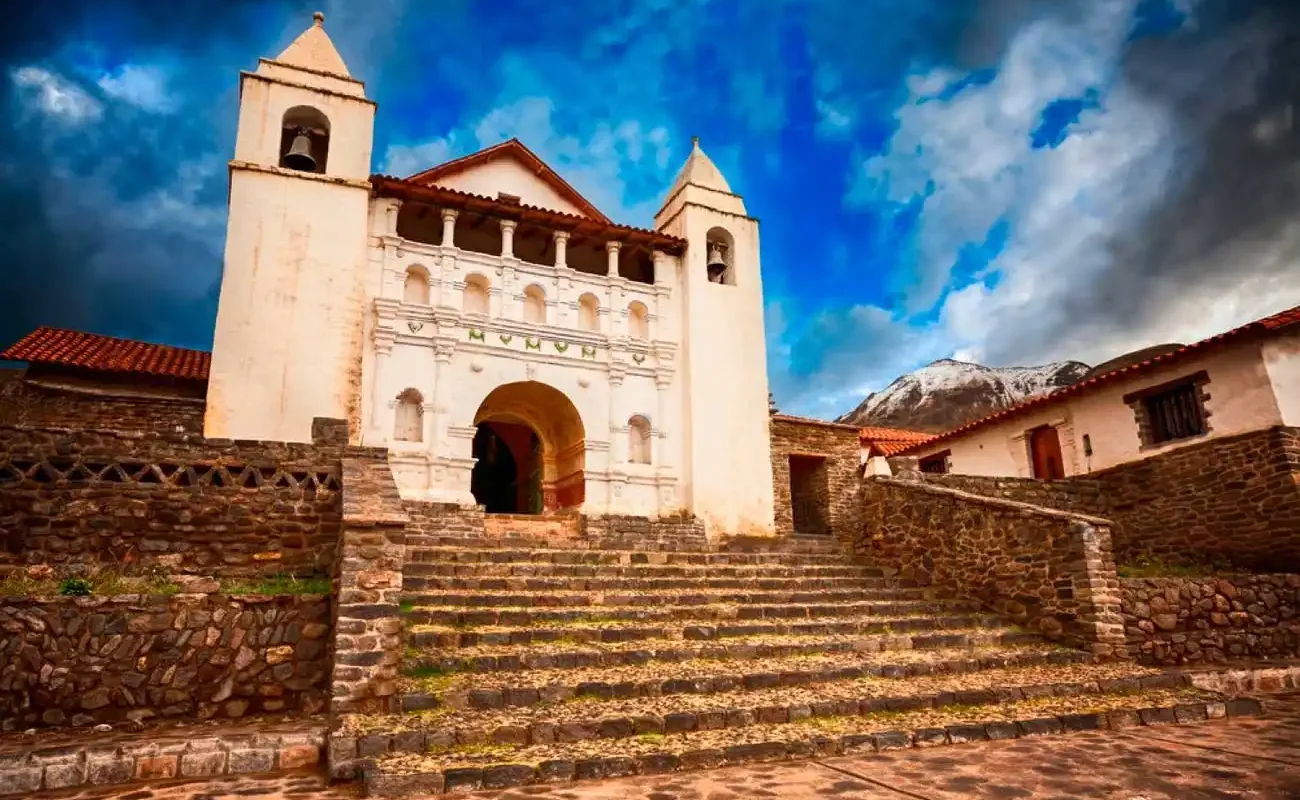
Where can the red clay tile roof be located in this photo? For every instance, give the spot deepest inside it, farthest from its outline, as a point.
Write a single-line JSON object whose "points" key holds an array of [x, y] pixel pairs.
{"points": [[512, 148], [108, 354], [1271, 324], [890, 441]]}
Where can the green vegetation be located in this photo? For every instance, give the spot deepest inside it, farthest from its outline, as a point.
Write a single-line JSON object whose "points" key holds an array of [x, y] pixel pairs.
{"points": [[1149, 567], [650, 738], [75, 587], [278, 584], [80, 580]]}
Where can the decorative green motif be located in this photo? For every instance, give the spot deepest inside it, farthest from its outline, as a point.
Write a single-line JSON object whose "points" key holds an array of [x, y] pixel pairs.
{"points": [[506, 338], [589, 351], [560, 347], [532, 344], [638, 358], [477, 335]]}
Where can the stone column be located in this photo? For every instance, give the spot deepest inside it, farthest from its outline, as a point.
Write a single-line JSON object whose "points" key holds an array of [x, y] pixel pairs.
{"points": [[383, 349], [618, 441], [508, 237], [449, 227], [442, 354], [662, 425], [561, 248], [611, 251]]}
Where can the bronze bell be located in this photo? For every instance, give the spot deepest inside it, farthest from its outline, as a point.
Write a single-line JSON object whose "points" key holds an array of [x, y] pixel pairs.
{"points": [[717, 263], [299, 156]]}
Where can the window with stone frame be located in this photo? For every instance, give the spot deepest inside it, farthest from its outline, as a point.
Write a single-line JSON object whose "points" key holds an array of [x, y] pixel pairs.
{"points": [[1171, 411], [936, 464]]}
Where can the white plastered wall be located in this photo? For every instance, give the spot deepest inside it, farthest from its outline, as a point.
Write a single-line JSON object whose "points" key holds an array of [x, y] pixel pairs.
{"points": [[508, 175], [1241, 399], [1282, 360]]}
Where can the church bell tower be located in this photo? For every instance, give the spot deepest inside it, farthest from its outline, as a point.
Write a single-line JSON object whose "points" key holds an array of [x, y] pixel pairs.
{"points": [[724, 355], [288, 340]]}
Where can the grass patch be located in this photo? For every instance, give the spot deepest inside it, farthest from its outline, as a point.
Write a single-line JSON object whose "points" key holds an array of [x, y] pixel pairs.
{"points": [[1147, 567], [278, 584], [406, 606], [80, 580], [650, 738]]}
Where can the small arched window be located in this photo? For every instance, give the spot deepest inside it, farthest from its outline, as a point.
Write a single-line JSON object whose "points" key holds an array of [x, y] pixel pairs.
{"points": [[416, 289], [638, 440], [638, 321], [589, 313], [476, 295], [304, 140], [408, 426], [720, 262], [535, 305]]}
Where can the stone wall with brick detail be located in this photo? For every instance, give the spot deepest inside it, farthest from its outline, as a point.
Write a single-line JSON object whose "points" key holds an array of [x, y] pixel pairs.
{"points": [[1049, 570], [684, 528], [97, 406], [1233, 500], [207, 506], [89, 660], [1231, 617], [368, 587], [815, 476]]}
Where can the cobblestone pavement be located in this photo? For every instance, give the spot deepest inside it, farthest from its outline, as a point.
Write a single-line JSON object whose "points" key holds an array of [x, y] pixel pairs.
{"points": [[1244, 758]]}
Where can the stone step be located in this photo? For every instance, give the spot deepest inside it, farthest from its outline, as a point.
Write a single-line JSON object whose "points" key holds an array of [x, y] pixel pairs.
{"points": [[990, 649], [432, 761], [414, 582], [753, 604], [453, 569], [511, 540], [426, 688], [910, 614], [417, 551], [927, 632]]}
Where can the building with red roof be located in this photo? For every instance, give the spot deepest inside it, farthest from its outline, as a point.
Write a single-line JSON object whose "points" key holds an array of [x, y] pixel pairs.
{"points": [[1243, 380]]}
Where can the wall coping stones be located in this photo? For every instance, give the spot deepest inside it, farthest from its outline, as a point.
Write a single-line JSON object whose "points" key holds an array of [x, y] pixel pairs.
{"points": [[992, 502]]}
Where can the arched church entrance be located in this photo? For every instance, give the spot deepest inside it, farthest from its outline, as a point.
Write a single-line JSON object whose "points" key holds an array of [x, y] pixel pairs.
{"points": [[529, 450]]}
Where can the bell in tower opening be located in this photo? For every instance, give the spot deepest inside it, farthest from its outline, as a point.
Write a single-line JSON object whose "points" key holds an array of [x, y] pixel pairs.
{"points": [[717, 263], [299, 156]]}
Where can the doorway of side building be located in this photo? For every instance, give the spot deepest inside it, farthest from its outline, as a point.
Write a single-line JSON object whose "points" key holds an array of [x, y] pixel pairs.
{"points": [[529, 451], [810, 495], [1045, 453]]}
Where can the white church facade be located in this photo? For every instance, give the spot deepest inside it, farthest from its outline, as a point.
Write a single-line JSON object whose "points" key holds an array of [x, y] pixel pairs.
{"points": [[508, 343]]}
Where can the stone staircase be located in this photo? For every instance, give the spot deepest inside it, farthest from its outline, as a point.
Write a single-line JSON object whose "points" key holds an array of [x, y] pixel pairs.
{"points": [[528, 661]]}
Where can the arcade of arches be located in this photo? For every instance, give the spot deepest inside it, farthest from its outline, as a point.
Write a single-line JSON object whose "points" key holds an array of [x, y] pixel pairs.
{"points": [[529, 450]]}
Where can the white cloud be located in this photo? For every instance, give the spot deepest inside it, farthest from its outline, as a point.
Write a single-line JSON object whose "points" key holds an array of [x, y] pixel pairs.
{"points": [[56, 96], [141, 86]]}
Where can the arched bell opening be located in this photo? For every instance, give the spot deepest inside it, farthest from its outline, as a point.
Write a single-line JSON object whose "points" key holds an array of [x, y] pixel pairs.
{"points": [[530, 451], [304, 140], [720, 262]]}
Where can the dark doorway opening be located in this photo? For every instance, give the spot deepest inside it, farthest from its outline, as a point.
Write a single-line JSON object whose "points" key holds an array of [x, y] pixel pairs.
{"points": [[507, 477], [1045, 452], [810, 495]]}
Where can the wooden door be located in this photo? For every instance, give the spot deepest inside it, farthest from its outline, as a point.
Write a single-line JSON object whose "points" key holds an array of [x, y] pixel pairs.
{"points": [[1045, 452]]}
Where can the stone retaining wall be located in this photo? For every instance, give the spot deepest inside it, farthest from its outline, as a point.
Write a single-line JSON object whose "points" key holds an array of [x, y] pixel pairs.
{"points": [[1233, 500], [88, 660], [208, 506], [1049, 570], [1212, 620], [99, 408], [825, 458]]}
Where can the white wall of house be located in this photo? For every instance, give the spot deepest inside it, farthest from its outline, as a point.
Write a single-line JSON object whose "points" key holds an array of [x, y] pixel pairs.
{"points": [[509, 176], [1240, 399], [1282, 360]]}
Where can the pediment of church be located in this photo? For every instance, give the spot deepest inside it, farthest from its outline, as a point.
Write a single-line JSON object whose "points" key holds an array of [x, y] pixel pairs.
{"points": [[510, 170]]}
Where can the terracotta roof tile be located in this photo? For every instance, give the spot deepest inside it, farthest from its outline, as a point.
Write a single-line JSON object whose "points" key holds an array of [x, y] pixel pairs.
{"points": [[108, 354], [1271, 324]]}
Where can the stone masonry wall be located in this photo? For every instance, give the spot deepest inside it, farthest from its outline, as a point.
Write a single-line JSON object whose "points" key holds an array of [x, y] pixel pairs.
{"points": [[839, 447], [1234, 500], [27, 403], [1049, 570], [1212, 620], [368, 587], [209, 506], [87, 660]]}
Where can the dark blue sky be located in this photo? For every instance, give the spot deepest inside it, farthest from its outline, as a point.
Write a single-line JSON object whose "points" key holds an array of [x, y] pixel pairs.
{"points": [[1011, 181]]}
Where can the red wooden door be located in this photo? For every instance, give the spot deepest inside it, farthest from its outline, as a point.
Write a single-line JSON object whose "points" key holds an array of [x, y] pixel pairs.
{"points": [[1045, 448]]}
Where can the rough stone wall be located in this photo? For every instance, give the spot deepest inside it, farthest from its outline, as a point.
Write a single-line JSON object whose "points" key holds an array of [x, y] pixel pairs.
{"points": [[1234, 500], [93, 408], [214, 507], [621, 525], [1212, 620], [1048, 570], [368, 587], [85, 660], [443, 519], [839, 446]]}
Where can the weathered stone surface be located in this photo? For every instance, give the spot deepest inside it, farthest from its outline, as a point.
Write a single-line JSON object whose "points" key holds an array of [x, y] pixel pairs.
{"points": [[815, 476]]}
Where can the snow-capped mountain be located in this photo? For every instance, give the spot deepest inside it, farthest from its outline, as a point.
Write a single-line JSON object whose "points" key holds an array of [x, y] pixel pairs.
{"points": [[947, 393]]}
